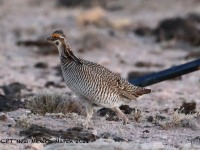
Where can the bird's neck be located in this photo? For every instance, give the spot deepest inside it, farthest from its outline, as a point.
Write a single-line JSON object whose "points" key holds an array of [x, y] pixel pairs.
{"points": [[66, 53]]}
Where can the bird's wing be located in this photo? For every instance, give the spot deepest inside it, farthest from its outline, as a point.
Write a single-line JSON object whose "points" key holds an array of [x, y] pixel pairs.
{"points": [[99, 69], [130, 91], [124, 88]]}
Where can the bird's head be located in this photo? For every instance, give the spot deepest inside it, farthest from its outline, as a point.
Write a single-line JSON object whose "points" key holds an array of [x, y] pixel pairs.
{"points": [[57, 38]]}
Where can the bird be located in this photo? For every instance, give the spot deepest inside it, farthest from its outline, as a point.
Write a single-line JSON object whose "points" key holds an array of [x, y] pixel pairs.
{"points": [[93, 83]]}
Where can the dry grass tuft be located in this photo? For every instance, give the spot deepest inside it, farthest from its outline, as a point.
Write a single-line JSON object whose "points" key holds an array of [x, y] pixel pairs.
{"points": [[53, 103], [181, 120], [23, 122], [137, 115]]}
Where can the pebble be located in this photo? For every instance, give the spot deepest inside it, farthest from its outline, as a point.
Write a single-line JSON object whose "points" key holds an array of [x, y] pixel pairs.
{"points": [[4, 117]]}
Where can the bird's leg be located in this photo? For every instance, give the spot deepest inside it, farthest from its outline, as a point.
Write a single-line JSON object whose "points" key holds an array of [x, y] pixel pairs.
{"points": [[89, 113], [120, 114]]}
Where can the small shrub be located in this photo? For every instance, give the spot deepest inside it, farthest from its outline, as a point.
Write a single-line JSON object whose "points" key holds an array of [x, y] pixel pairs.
{"points": [[181, 120], [53, 103]]}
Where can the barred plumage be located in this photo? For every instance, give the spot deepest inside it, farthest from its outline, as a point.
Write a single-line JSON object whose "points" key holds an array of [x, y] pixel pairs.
{"points": [[92, 82]]}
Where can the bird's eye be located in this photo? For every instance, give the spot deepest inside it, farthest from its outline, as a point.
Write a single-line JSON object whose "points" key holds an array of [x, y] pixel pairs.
{"points": [[57, 43]]}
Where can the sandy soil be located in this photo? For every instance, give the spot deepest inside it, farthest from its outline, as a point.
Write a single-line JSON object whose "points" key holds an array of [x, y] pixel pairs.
{"points": [[32, 20]]}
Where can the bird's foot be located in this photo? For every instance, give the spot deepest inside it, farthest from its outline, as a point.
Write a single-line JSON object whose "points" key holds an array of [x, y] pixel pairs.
{"points": [[121, 115], [125, 120]]}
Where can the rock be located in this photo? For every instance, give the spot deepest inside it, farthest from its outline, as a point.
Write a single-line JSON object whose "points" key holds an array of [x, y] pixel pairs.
{"points": [[150, 119], [143, 31], [108, 135], [140, 64], [82, 3], [178, 28], [8, 104], [51, 83], [126, 109], [71, 134], [145, 131], [41, 65], [44, 46], [194, 17], [105, 111], [193, 54], [160, 117], [13, 90], [4, 117], [9, 125], [188, 108], [119, 139], [181, 29], [112, 115], [113, 118]]}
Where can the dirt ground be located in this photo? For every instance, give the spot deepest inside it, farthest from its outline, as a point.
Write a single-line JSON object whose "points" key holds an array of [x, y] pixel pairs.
{"points": [[106, 36]]}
